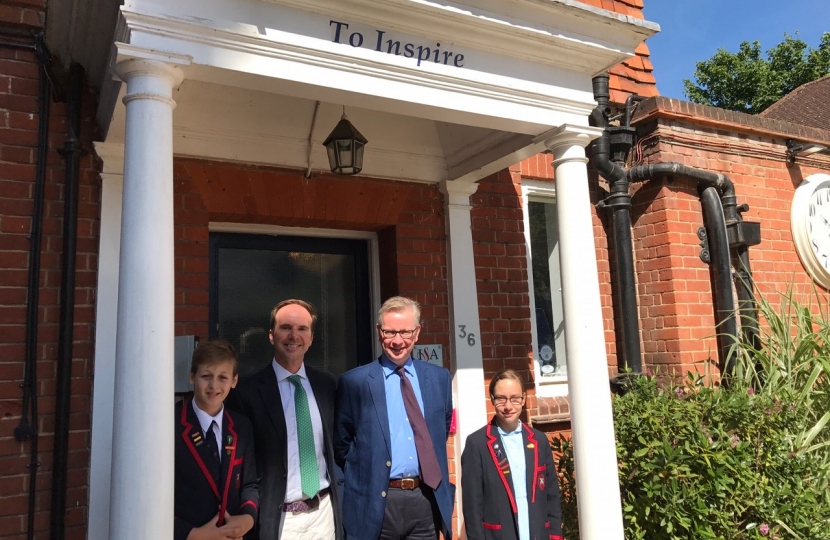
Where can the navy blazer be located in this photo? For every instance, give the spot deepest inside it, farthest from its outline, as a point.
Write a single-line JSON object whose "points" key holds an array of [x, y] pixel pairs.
{"points": [[362, 443], [259, 399], [487, 491], [198, 495]]}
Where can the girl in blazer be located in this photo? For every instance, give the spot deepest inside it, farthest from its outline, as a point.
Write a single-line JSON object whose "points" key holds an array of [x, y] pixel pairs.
{"points": [[508, 477]]}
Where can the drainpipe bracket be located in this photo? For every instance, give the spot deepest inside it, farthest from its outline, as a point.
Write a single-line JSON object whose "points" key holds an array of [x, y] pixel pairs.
{"points": [[705, 255]]}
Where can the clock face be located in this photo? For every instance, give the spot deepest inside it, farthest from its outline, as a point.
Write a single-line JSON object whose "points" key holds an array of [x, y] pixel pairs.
{"points": [[810, 221], [818, 224]]}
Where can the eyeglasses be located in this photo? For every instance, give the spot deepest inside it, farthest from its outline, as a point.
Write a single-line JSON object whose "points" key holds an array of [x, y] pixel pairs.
{"points": [[501, 400], [405, 334]]}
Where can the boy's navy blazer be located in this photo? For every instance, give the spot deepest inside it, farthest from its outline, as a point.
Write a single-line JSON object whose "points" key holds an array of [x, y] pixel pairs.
{"points": [[198, 495], [363, 449], [489, 503], [259, 399]]}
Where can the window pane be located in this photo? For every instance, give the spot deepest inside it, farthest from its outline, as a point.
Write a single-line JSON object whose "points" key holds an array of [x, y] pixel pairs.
{"points": [[252, 281], [544, 254]]}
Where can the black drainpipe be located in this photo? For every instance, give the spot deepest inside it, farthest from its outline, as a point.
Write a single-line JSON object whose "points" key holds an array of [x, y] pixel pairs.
{"points": [[71, 152], [724, 227], [613, 149], [27, 429]]}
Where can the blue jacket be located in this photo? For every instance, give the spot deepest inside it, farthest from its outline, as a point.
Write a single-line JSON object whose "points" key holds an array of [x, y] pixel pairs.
{"points": [[362, 447]]}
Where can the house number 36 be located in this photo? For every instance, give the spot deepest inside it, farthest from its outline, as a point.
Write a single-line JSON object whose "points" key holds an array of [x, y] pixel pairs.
{"points": [[462, 333]]}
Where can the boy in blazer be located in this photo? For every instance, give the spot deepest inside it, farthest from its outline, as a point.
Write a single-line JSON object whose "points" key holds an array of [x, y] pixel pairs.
{"points": [[216, 488], [508, 478]]}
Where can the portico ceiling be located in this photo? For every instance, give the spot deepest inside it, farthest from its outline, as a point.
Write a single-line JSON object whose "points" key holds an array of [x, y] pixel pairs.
{"points": [[265, 81]]}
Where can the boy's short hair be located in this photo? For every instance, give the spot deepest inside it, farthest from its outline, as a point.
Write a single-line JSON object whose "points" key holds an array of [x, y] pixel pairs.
{"points": [[302, 303], [214, 351]]}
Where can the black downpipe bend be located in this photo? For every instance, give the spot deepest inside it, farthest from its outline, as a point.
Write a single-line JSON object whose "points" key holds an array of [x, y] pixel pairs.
{"points": [[721, 267], [71, 152], [720, 211]]}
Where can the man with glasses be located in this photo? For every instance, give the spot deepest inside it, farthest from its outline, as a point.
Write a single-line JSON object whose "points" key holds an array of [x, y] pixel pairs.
{"points": [[391, 428]]}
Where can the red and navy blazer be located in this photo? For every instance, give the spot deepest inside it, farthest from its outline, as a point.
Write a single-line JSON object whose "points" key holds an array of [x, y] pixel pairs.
{"points": [[488, 496], [198, 495]]}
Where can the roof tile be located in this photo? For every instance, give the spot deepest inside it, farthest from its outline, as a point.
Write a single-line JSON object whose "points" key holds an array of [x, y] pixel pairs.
{"points": [[634, 74], [808, 105]]}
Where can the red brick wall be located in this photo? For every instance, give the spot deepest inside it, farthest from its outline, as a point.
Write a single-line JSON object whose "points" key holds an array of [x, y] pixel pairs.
{"points": [[501, 276], [18, 153], [675, 297]]}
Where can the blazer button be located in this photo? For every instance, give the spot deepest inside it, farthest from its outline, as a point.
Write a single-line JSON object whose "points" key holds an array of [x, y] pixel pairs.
{"points": [[383, 494], [388, 463]]}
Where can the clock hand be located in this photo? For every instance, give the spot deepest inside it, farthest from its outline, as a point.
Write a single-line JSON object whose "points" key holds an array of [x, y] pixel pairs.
{"points": [[824, 219]]}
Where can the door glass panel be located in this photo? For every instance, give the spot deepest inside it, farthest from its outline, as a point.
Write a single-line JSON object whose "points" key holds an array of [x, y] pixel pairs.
{"points": [[249, 280]]}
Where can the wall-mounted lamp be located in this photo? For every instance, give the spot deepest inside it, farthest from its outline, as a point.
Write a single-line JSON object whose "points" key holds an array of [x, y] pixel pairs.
{"points": [[345, 147], [795, 148]]}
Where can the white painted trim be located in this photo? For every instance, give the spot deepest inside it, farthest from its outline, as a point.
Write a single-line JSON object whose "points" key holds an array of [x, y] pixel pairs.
{"points": [[238, 51], [106, 318], [546, 192], [313, 232], [202, 144], [466, 356]]}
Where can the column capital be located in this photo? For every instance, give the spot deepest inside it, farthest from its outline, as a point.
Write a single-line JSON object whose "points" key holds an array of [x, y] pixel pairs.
{"points": [[456, 193], [132, 60], [568, 135]]}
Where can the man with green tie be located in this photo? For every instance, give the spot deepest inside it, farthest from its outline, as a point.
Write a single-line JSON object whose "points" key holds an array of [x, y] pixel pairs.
{"points": [[291, 407]]}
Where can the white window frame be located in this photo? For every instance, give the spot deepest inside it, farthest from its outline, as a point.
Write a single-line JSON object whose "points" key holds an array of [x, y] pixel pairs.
{"points": [[545, 192]]}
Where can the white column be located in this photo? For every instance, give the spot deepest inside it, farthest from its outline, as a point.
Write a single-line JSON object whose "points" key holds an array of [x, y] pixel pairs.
{"points": [[595, 455], [143, 425], [106, 308], [467, 367]]}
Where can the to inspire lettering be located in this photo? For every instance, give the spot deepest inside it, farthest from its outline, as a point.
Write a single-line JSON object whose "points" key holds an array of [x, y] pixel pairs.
{"points": [[390, 46]]}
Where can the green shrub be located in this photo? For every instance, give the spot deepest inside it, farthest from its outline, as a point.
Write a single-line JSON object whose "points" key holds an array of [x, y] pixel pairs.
{"points": [[698, 461]]}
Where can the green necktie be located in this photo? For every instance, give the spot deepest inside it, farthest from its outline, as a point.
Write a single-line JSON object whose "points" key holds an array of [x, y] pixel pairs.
{"points": [[309, 473]]}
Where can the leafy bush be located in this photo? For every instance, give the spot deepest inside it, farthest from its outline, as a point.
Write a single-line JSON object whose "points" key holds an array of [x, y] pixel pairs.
{"points": [[749, 461]]}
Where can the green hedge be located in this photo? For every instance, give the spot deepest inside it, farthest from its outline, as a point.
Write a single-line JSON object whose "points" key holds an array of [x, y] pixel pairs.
{"points": [[699, 461]]}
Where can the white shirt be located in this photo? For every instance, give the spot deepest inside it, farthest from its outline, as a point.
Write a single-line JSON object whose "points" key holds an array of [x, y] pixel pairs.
{"points": [[515, 449], [293, 486], [205, 420]]}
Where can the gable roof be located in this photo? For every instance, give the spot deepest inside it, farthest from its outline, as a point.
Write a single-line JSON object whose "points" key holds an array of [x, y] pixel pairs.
{"points": [[808, 105]]}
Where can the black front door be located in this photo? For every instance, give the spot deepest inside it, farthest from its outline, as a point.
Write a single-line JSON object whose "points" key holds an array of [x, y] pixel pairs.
{"points": [[250, 274]]}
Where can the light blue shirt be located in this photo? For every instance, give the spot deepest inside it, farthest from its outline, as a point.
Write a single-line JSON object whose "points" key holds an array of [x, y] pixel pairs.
{"points": [[514, 447], [401, 438]]}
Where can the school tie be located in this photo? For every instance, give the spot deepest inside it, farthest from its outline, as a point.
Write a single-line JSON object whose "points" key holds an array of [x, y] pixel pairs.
{"points": [[213, 444], [430, 471], [309, 473]]}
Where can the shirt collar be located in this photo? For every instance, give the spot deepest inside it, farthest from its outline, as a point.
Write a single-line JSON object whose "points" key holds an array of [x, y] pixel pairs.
{"points": [[205, 419], [283, 373], [389, 367], [503, 433]]}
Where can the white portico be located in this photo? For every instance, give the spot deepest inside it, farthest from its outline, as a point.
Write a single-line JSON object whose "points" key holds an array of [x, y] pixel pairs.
{"points": [[446, 92]]}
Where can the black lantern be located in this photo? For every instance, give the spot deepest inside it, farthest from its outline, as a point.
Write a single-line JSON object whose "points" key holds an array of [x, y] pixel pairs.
{"points": [[345, 148]]}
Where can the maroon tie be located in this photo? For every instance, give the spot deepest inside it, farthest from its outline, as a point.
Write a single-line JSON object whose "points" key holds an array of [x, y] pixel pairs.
{"points": [[430, 471]]}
